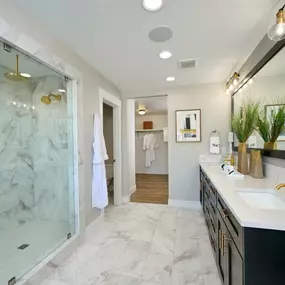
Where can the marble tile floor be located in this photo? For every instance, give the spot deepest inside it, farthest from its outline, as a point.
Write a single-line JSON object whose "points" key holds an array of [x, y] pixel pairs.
{"points": [[143, 244]]}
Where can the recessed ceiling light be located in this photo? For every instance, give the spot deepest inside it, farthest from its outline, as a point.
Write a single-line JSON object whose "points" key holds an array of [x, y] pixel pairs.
{"points": [[152, 5], [61, 90], [165, 54], [170, 78], [27, 75]]}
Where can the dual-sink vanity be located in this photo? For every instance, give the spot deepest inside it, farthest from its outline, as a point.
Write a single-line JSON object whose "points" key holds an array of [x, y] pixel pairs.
{"points": [[245, 218]]}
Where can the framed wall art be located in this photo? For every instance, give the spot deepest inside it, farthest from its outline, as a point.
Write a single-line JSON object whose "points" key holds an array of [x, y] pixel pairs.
{"points": [[188, 125]]}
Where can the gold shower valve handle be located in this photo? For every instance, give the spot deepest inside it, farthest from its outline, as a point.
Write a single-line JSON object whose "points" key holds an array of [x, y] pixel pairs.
{"points": [[56, 97]]}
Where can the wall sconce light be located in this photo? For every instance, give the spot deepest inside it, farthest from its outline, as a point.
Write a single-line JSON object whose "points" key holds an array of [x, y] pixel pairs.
{"points": [[232, 83], [277, 32]]}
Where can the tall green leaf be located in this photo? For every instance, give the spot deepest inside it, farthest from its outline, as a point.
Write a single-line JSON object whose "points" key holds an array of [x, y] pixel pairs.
{"points": [[244, 123]]}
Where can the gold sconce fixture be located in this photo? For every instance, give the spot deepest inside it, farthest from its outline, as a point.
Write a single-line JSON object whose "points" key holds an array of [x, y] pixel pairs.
{"points": [[48, 99], [277, 32], [232, 83]]}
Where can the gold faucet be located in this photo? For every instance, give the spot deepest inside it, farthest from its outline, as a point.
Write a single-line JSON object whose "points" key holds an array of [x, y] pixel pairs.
{"points": [[231, 160], [279, 186]]}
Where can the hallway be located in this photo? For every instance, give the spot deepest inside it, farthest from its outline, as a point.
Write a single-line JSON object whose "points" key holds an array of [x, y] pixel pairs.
{"points": [[142, 244]]}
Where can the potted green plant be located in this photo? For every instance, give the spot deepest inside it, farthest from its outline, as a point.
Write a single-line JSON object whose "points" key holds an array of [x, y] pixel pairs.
{"points": [[271, 125], [244, 124]]}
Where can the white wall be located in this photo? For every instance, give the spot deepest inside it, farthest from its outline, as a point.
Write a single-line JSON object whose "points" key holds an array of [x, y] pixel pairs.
{"points": [[128, 147], [23, 29], [160, 165], [183, 157], [108, 131]]}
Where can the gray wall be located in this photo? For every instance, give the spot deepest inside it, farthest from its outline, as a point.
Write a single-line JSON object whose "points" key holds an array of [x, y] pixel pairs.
{"points": [[160, 165], [184, 157]]}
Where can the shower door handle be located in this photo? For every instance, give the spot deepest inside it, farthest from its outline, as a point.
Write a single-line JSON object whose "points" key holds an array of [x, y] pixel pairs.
{"points": [[114, 160]]}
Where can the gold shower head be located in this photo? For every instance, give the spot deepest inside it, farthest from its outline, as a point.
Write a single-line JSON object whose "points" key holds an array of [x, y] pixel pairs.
{"points": [[47, 99], [16, 76]]}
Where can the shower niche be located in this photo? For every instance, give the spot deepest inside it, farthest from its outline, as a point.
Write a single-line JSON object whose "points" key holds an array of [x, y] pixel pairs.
{"points": [[36, 162]]}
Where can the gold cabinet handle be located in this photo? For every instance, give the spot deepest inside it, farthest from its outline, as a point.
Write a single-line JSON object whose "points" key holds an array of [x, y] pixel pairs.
{"points": [[223, 245], [224, 238], [224, 213], [220, 239]]}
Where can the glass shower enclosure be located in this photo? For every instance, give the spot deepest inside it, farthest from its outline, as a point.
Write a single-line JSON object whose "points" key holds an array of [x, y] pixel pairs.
{"points": [[36, 162]]}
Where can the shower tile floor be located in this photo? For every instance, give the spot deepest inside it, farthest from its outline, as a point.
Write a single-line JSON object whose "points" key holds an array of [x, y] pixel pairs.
{"points": [[143, 244], [46, 235]]}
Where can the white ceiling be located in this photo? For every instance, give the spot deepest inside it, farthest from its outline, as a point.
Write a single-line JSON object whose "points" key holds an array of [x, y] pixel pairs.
{"points": [[112, 35], [153, 105]]}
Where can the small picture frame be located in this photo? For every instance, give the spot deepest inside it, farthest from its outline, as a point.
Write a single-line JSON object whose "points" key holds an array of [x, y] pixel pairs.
{"points": [[188, 125], [269, 109]]}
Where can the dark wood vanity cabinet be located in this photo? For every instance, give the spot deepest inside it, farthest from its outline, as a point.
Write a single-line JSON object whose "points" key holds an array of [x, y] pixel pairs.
{"points": [[244, 256]]}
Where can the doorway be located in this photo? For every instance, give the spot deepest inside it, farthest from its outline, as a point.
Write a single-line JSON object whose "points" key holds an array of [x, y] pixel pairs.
{"points": [[110, 112], [151, 150], [108, 130]]}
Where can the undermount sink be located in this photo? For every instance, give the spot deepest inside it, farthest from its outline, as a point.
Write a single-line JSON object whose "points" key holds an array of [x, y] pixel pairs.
{"points": [[264, 200]]}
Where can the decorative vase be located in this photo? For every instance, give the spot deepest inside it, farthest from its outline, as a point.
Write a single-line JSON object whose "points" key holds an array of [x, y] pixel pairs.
{"points": [[242, 159], [255, 169], [270, 145]]}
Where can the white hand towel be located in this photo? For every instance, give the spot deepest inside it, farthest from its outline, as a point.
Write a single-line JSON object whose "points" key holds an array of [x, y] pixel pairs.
{"points": [[99, 180], [215, 145]]}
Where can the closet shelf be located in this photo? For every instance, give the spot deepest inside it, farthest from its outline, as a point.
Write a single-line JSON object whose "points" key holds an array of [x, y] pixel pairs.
{"points": [[148, 130]]}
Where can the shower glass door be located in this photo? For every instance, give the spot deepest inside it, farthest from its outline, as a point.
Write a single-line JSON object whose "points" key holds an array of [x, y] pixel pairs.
{"points": [[36, 162]]}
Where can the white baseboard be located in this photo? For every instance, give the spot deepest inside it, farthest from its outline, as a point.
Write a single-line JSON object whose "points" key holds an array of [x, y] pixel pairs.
{"points": [[184, 204], [98, 219], [133, 190], [126, 199]]}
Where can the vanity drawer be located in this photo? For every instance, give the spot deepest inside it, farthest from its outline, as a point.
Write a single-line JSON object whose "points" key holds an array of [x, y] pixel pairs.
{"points": [[210, 216], [211, 193], [234, 228]]}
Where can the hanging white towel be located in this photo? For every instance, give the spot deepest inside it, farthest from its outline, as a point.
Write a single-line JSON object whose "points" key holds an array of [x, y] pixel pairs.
{"points": [[146, 148], [215, 145], [99, 181], [152, 147]]}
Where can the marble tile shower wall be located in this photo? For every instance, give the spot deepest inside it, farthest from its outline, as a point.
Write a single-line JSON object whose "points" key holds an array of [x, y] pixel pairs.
{"points": [[34, 152]]}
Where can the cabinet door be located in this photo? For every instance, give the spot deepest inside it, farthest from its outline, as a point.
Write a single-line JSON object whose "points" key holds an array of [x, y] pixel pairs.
{"points": [[234, 262], [221, 254], [201, 186]]}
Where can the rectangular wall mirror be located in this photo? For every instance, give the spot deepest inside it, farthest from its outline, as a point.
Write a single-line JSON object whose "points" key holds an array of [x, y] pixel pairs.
{"points": [[264, 84]]}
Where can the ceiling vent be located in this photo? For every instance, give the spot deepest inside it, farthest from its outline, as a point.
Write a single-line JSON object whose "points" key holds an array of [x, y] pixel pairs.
{"points": [[187, 63]]}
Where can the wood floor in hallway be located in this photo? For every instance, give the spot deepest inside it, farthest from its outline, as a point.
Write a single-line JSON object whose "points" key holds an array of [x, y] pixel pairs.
{"points": [[151, 188]]}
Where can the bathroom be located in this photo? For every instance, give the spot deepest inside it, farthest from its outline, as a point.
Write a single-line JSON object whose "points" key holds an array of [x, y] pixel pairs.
{"points": [[113, 54]]}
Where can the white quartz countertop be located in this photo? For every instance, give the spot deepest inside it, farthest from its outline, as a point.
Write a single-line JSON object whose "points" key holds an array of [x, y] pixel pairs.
{"points": [[246, 215]]}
